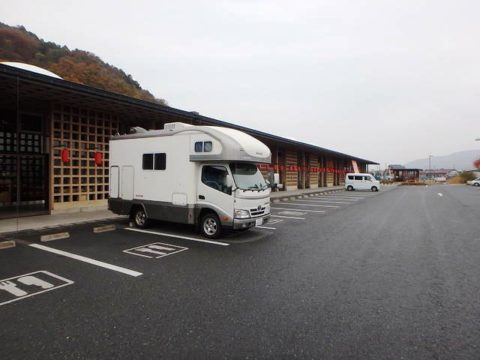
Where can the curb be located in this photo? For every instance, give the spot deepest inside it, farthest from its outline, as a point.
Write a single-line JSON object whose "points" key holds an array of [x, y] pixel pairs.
{"points": [[278, 199], [7, 244], [57, 236], [104, 228]]}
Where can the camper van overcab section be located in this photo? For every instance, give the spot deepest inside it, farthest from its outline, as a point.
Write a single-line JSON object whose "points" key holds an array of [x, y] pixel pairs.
{"points": [[201, 175]]}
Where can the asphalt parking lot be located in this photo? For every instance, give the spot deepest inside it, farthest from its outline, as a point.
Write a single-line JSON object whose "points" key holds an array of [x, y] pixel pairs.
{"points": [[367, 275]]}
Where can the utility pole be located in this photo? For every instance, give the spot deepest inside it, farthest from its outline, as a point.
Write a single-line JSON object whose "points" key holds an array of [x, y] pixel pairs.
{"points": [[430, 166]]}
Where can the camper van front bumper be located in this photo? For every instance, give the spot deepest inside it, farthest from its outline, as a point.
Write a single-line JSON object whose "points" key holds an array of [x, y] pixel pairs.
{"points": [[239, 224]]}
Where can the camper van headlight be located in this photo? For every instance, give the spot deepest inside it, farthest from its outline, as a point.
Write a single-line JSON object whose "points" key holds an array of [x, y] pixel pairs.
{"points": [[242, 214]]}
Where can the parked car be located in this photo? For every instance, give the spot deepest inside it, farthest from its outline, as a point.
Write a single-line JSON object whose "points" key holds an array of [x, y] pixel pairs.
{"points": [[360, 181], [475, 182]]}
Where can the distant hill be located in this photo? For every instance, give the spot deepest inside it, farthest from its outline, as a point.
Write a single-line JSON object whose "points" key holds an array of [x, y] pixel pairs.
{"points": [[18, 44], [462, 160]]}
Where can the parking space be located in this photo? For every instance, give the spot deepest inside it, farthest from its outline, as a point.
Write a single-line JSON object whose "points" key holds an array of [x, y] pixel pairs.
{"points": [[109, 260], [308, 207], [117, 249]]}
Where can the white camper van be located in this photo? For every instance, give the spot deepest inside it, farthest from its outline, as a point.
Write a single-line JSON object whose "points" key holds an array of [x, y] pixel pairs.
{"points": [[201, 175], [360, 181]]}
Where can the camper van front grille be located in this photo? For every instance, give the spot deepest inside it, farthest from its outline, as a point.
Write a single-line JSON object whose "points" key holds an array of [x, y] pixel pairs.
{"points": [[257, 211]]}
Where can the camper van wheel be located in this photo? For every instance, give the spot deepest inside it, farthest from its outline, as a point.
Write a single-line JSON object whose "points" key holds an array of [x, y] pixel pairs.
{"points": [[374, 188], [349, 188], [210, 226], [140, 218]]}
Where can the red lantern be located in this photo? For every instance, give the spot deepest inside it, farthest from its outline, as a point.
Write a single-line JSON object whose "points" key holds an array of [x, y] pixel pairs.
{"points": [[65, 155], [98, 158]]}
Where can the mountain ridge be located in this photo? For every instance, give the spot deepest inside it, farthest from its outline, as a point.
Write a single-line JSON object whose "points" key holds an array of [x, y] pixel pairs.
{"points": [[17, 44], [460, 160]]}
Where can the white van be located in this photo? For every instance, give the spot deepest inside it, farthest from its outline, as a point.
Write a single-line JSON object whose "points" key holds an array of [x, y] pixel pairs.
{"points": [[199, 175], [360, 181]]}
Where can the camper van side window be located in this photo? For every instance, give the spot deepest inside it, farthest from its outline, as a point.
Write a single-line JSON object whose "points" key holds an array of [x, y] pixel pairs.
{"points": [[350, 177], [207, 146], [160, 161], [147, 162], [199, 146], [216, 178], [358, 178]]}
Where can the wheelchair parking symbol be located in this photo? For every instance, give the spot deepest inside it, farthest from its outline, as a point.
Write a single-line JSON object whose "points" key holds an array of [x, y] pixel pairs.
{"points": [[27, 285], [155, 250]]}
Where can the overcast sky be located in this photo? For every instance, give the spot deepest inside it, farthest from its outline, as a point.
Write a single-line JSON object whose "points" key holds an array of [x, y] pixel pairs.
{"points": [[390, 81]]}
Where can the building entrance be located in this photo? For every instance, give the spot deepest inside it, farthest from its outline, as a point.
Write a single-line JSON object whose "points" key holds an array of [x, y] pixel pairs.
{"points": [[23, 165]]}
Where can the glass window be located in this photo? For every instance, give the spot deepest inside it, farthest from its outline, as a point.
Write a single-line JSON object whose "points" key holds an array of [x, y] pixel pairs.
{"points": [[147, 162], [247, 176], [216, 178], [160, 161], [199, 146], [207, 146], [367, 178], [358, 177], [350, 177]]}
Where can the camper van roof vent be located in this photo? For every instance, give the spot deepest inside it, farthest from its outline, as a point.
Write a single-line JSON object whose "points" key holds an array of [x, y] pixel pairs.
{"points": [[176, 126], [137, 130]]}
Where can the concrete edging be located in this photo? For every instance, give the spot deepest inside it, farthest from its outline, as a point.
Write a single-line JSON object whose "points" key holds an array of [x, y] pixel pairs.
{"points": [[7, 244]]}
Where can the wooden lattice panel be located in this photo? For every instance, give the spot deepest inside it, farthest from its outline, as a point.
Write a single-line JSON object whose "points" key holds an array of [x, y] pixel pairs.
{"points": [[83, 132], [291, 175], [313, 175], [330, 176]]}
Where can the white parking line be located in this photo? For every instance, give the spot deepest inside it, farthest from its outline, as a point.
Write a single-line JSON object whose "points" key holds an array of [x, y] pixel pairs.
{"points": [[266, 227], [179, 237], [274, 221], [87, 260], [352, 198], [306, 204], [287, 217], [303, 210], [328, 202]]}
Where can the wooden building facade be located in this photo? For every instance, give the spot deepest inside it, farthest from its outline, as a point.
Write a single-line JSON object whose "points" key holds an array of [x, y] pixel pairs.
{"points": [[54, 144]]}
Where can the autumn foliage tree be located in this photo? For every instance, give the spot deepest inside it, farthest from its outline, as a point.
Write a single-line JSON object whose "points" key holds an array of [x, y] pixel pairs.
{"points": [[18, 44]]}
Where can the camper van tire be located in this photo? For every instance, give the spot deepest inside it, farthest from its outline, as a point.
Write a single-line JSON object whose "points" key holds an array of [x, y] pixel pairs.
{"points": [[139, 216], [350, 188], [374, 188], [210, 225]]}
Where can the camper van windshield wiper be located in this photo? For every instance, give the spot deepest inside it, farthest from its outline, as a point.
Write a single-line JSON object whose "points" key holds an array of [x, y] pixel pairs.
{"points": [[257, 187]]}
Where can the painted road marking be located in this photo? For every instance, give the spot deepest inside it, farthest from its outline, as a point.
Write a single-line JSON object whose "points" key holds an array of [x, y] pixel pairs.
{"points": [[440, 194], [306, 204], [338, 199], [87, 260], [351, 198], [273, 221], [287, 217], [155, 250], [291, 213], [304, 210], [329, 202], [178, 236], [28, 285], [266, 227]]}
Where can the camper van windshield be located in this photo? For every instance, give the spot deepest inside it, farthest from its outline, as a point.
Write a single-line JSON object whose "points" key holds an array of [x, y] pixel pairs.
{"points": [[247, 176]]}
